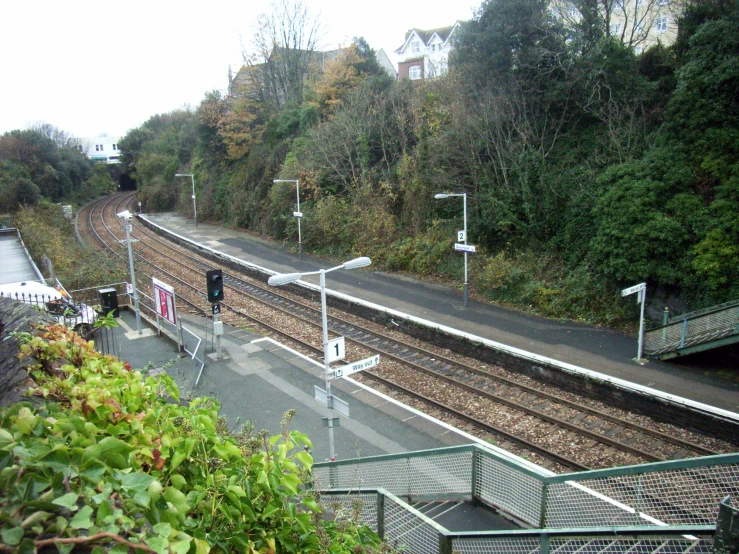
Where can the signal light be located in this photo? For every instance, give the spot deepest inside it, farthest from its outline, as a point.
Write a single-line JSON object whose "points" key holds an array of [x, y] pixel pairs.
{"points": [[214, 278]]}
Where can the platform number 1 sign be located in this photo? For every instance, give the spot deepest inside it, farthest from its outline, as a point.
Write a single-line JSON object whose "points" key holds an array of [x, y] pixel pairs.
{"points": [[335, 349]]}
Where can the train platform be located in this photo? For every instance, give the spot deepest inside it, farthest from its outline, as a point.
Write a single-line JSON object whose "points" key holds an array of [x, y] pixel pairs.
{"points": [[258, 379], [17, 264], [706, 379]]}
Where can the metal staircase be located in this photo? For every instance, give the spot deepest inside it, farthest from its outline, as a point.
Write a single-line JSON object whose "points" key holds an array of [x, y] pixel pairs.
{"points": [[694, 332]]}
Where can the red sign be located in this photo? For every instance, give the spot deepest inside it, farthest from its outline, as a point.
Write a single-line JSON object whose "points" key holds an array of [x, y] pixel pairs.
{"points": [[164, 300]]}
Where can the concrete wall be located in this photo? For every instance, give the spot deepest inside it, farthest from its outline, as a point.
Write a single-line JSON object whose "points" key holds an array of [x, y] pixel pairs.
{"points": [[14, 380]]}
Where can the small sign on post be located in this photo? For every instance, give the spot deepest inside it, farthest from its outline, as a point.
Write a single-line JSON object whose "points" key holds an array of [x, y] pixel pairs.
{"points": [[335, 349], [361, 365], [461, 236], [164, 300], [298, 214], [641, 290], [337, 403], [464, 248]]}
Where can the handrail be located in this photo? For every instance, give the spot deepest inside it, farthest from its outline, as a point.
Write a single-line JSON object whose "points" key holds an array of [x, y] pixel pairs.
{"points": [[703, 311], [194, 356]]}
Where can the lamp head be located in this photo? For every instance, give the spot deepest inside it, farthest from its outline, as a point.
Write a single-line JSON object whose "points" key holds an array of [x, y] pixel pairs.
{"points": [[283, 279], [182, 175], [441, 195], [125, 215], [364, 261]]}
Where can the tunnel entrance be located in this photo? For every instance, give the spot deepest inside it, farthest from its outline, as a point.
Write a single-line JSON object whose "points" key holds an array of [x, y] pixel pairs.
{"points": [[126, 182]]}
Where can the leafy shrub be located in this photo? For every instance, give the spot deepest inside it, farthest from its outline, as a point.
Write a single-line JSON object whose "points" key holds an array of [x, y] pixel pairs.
{"points": [[115, 461]]}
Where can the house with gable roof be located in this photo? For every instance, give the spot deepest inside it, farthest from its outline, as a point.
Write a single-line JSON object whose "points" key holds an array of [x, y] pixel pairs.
{"points": [[425, 53]]}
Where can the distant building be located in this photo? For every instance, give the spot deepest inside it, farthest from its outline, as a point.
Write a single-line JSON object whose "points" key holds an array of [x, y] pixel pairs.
{"points": [[425, 53], [101, 149], [638, 24], [385, 63], [245, 77]]}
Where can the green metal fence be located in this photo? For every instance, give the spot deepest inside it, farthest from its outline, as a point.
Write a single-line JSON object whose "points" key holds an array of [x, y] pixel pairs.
{"points": [[408, 530], [668, 498], [694, 331]]}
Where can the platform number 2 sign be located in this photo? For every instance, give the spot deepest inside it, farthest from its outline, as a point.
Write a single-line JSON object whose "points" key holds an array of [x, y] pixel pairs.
{"points": [[335, 349]]}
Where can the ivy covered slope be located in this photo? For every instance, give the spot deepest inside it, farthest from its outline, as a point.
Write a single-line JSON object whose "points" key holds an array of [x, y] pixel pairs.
{"points": [[113, 461]]}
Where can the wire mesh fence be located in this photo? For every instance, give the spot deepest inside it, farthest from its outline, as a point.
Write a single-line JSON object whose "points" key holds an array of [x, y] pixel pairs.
{"points": [[663, 497], [693, 329]]}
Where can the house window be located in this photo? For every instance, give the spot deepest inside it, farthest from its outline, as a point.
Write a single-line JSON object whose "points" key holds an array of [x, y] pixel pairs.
{"points": [[615, 28], [101, 147], [115, 147], [660, 24], [414, 72], [663, 2], [639, 3], [416, 47], [433, 48]]}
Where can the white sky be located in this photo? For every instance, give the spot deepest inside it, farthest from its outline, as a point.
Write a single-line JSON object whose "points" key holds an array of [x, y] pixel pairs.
{"points": [[102, 67]]}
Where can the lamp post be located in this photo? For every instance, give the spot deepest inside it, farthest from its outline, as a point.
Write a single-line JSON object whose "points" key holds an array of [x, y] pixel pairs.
{"points": [[298, 214], [194, 207], [464, 213], [285, 278], [127, 217]]}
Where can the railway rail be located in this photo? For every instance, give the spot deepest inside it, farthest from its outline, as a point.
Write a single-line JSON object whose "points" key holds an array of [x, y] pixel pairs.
{"points": [[547, 425]]}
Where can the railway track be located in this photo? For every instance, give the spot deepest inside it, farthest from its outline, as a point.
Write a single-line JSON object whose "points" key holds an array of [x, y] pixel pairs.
{"points": [[573, 433]]}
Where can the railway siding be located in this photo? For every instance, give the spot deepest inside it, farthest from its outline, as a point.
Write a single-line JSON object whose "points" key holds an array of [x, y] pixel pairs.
{"points": [[660, 406]]}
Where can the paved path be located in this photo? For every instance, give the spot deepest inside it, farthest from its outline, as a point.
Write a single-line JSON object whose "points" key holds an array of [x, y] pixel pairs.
{"points": [[582, 345]]}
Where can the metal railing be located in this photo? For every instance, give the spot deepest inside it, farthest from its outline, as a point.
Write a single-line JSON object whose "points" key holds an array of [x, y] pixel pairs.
{"points": [[684, 493], [7, 221], [74, 314], [693, 329], [404, 527], [189, 341], [192, 343], [91, 297]]}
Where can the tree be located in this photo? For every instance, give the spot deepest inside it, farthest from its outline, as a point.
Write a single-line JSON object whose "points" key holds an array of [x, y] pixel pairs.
{"points": [[284, 43]]}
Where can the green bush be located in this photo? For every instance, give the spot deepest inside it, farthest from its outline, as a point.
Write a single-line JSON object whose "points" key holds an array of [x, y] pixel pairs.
{"points": [[114, 461], [46, 232]]}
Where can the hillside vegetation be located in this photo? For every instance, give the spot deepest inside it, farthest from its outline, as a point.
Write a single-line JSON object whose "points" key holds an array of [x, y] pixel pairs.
{"points": [[587, 168]]}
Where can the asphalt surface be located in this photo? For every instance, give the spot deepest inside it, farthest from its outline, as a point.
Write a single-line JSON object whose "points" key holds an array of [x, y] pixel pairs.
{"points": [[710, 378], [257, 379]]}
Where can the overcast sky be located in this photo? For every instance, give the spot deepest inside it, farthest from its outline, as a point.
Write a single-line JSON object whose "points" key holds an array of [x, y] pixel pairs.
{"points": [[105, 67]]}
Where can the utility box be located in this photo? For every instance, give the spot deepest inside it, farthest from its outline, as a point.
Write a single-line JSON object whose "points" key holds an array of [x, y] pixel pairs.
{"points": [[109, 301], [217, 328]]}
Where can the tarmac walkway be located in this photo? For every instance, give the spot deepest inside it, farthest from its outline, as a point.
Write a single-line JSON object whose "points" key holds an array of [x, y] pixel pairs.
{"points": [[258, 380], [589, 347]]}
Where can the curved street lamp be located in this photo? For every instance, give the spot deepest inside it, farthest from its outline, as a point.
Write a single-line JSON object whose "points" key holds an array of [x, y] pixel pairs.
{"points": [[127, 217], [285, 278]]}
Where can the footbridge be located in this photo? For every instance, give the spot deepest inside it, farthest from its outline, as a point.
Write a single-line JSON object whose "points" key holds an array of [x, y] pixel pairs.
{"points": [[410, 500], [694, 332]]}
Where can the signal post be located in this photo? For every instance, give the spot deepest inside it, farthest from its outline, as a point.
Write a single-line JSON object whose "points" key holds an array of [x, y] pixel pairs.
{"points": [[214, 280]]}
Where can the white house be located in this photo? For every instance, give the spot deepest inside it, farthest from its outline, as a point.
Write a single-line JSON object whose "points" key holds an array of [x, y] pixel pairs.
{"points": [[425, 53], [103, 148]]}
